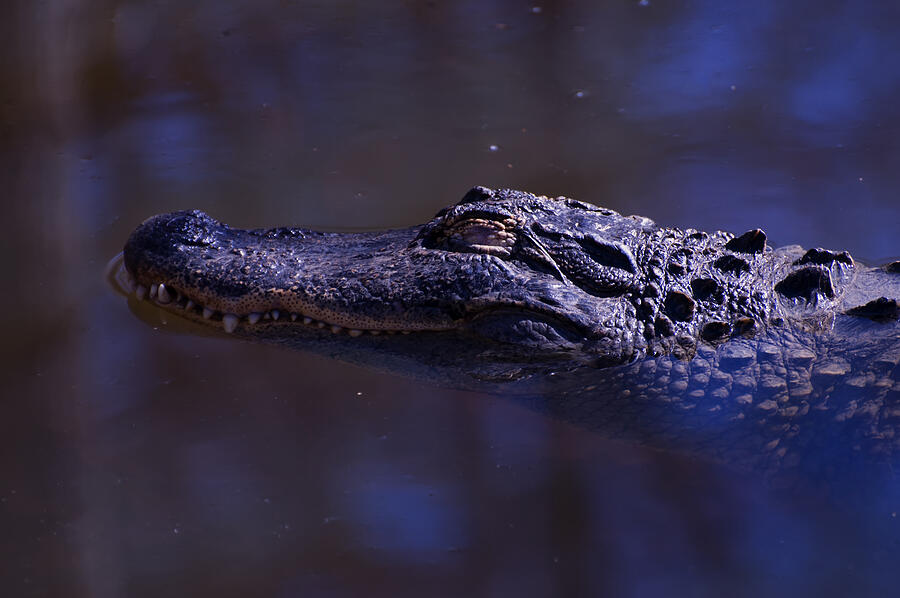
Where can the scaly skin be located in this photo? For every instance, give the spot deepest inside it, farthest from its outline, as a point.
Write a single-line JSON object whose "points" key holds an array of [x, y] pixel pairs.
{"points": [[747, 348], [553, 274]]}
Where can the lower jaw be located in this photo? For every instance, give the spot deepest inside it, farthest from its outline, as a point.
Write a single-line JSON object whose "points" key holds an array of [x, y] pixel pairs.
{"points": [[172, 299]]}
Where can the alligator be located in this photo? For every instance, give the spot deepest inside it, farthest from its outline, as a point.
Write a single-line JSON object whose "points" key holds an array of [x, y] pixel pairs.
{"points": [[713, 344]]}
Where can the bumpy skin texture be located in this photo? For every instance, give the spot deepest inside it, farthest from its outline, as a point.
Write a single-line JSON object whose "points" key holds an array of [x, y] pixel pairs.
{"points": [[553, 274], [779, 351]]}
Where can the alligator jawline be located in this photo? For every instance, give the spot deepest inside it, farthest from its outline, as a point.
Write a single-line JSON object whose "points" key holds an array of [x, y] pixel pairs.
{"points": [[171, 299]]}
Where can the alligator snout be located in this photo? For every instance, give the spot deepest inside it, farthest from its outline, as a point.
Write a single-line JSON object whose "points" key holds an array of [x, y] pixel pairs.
{"points": [[188, 227]]}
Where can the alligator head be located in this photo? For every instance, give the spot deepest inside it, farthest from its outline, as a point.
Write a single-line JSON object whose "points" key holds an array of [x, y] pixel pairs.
{"points": [[540, 274], [738, 352]]}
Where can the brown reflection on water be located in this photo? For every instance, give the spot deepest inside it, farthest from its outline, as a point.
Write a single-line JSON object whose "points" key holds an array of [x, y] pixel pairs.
{"points": [[138, 462]]}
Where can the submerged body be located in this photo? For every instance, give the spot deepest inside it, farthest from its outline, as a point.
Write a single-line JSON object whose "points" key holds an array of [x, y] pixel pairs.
{"points": [[710, 343]]}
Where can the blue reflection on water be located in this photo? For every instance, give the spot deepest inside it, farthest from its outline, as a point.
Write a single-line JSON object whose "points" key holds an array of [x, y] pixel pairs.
{"points": [[692, 65], [409, 518], [173, 143], [840, 91], [188, 98]]}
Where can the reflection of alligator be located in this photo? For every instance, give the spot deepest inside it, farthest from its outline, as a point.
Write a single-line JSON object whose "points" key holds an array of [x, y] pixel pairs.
{"points": [[708, 342]]}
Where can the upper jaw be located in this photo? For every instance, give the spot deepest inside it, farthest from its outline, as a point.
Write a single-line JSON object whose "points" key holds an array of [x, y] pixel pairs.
{"points": [[188, 260], [360, 282]]}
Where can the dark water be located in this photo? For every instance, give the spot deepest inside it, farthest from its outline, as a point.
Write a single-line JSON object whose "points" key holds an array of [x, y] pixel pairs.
{"points": [[137, 462]]}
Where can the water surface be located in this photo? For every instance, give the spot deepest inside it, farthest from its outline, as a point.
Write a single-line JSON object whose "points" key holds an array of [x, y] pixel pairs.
{"points": [[141, 462]]}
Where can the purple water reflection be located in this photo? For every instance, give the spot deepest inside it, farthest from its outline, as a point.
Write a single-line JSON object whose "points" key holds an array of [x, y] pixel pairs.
{"points": [[138, 462]]}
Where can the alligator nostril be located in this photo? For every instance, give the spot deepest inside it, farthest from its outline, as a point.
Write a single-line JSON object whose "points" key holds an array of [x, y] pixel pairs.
{"points": [[190, 228], [476, 194]]}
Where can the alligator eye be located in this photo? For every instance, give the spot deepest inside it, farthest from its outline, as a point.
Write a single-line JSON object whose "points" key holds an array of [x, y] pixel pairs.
{"points": [[482, 236], [465, 230]]}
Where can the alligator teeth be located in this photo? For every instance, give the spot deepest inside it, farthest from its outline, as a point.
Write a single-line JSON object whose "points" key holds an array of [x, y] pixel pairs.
{"points": [[335, 328], [207, 313], [189, 304], [153, 289], [230, 321], [162, 294], [354, 332], [294, 317], [254, 318], [141, 292], [374, 332], [406, 332], [307, 320], [275, 314]]}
